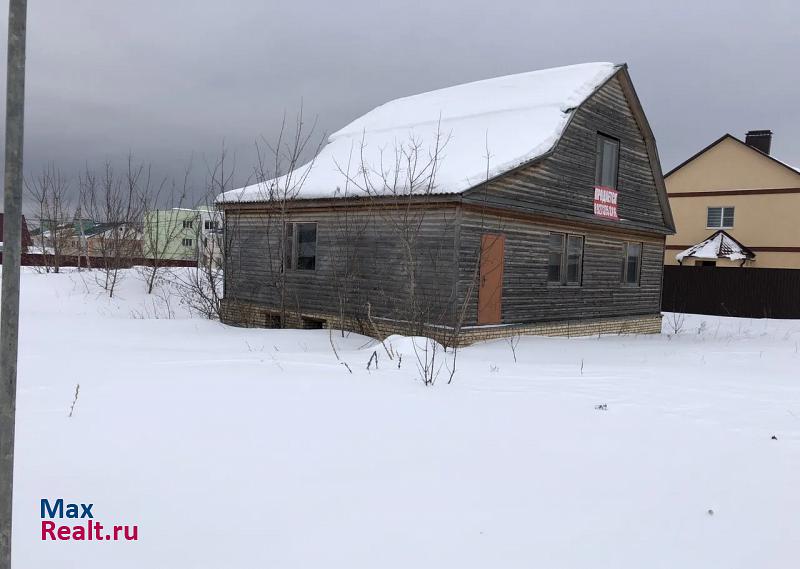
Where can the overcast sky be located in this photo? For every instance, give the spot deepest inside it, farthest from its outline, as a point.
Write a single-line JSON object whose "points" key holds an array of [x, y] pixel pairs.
{"points": [[168, 79]]}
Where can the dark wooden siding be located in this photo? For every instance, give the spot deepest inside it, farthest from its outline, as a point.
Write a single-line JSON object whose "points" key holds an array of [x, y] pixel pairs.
{"points": [[360, 260], [562, 184], [366, 263], [528, 297]]}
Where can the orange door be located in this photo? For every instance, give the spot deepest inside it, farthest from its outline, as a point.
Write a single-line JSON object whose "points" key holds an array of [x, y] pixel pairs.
{"points": [[490, 287]]}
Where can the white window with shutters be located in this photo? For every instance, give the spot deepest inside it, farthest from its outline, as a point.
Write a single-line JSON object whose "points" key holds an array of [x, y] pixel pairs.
{"points": [[719, 217]]}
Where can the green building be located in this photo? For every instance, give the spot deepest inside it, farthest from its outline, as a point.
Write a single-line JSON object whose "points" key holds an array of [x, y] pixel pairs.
{"points": [[172, 234]]}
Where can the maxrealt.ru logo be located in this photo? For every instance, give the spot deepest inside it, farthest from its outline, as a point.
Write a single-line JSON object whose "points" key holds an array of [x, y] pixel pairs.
{"points": [[87, 529]]}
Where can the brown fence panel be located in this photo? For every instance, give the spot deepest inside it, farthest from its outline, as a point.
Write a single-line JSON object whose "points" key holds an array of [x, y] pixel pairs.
{"points": [[40, 260], [732, 291]]}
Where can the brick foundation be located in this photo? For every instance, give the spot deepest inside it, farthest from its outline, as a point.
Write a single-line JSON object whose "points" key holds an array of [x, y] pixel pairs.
{"points": [[253, 315]]}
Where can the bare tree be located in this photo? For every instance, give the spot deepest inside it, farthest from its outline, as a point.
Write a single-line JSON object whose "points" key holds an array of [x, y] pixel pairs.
{"points": [[400, 182], [118, 202], [400, 185], [56, 238], [162, 227], [349, 229], [280, 178], [201, 288], [471, 282]]}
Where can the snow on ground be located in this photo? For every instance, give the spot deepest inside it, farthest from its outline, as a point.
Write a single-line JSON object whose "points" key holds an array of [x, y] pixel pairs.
{"points": [[256, 448]]}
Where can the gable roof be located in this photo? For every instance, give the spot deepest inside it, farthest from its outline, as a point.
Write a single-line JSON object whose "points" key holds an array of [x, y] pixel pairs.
{"points": [[516, 118], [720, 245], [728, 136], [26, 235]]}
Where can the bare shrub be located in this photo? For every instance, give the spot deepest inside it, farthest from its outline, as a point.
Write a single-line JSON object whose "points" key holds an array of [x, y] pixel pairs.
{"points": [[675, 322], [513, 342]]}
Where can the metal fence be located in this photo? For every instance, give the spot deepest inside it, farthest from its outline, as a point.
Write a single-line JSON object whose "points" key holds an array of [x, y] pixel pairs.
{"points": [[732, 291]]}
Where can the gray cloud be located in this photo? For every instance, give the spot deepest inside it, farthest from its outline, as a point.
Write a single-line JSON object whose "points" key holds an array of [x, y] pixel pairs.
{"points": [[165, 79]]}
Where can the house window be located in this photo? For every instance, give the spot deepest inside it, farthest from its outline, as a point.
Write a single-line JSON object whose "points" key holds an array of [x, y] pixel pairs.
{"points": [[188, 224], [301, 246], [565, 259], [556, 257], [631, 263], [209, 224], [719, 218], [187, 242], [574, 259], [607, 161]]}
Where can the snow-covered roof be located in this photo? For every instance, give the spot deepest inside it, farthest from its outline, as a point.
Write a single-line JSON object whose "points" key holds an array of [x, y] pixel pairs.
{"points": [[517, 118], [719, 246]]}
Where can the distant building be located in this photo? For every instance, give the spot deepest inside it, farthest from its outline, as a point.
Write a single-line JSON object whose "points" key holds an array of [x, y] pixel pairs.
{"points": [[26, 236], [734, 204], [182, 234], [123, 240], [210, 240]]}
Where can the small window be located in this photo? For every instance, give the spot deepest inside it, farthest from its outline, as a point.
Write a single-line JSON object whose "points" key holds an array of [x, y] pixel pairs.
{"points": [[301, 246], [209, 224], [188, 224], [187, 242], [631, 263], [556, 257], [288, 261], [607, 161], [565, 260], [574, 259], [719, 218]]}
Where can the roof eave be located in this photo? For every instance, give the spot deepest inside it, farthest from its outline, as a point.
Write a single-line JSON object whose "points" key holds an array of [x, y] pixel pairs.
{"points": [[726, 136]]}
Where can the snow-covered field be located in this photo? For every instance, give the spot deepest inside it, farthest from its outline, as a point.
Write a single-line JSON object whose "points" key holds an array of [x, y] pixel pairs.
{"points": [[256, 448]]}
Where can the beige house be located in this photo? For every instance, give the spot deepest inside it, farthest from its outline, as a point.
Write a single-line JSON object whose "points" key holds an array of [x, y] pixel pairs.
{"points": [[735, 205]]}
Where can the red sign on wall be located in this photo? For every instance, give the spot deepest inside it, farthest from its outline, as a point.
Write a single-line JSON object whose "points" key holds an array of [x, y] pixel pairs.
{"points": [[605, 203]]}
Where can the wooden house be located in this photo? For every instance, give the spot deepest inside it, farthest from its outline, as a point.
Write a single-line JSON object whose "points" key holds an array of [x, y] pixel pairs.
{"points": [[532, 203]]}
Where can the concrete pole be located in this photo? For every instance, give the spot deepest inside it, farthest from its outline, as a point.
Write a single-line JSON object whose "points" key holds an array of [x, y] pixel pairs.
{"points": [[12, 245]]}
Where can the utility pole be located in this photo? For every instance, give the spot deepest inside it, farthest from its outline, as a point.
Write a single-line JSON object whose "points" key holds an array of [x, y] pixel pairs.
{"points": [[12, 248]]}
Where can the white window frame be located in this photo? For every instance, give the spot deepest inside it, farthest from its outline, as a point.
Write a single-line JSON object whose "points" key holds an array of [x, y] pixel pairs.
{"points": [[722, 209], [602, 139]]}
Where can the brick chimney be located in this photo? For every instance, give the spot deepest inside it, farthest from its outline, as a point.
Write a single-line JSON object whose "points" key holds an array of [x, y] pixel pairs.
{"points": [[759, 139]]}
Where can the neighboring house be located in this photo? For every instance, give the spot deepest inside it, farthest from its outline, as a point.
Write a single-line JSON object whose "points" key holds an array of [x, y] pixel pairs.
{"points": [[171, 234], [64, 238], [75, 236], [735, 205], [26, 235], [118, 240], [82, 237], [210, 240], [560, 231], [183, 234]]}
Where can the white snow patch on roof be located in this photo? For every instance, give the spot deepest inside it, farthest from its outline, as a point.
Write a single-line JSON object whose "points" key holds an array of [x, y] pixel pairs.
{"points": [[718, 246], [516, 117]]}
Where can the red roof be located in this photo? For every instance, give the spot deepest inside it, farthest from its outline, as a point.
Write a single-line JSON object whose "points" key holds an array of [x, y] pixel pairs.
{"points": [[26, 235]]}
